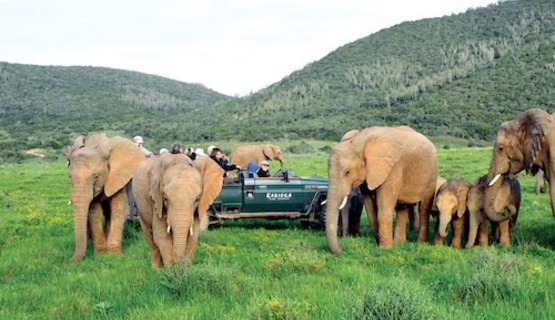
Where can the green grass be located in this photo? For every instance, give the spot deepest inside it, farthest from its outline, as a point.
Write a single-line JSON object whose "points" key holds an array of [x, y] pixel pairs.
{"points": [[261, 269]]}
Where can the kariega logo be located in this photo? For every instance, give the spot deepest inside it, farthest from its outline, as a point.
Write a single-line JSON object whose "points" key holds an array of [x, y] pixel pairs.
{"points": [[278, 196]]}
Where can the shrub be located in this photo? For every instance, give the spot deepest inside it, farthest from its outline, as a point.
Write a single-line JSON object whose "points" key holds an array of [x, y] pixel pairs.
{"points": [[184, 282], [301, 148], [399, 299]]}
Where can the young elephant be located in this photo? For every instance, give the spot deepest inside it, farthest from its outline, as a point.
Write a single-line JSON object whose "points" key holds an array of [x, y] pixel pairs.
{"points": [[506, 203], [451, 209], [172, 194], [349, 222]]}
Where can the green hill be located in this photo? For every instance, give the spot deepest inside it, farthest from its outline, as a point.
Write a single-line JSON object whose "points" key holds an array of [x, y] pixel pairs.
{"points": [[457, 76], [47, 106]]}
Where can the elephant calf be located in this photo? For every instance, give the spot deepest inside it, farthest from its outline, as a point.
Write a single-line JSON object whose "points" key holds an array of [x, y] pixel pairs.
{"points": [[172, 194], [506, 199], [450, 202], [349, 222]]}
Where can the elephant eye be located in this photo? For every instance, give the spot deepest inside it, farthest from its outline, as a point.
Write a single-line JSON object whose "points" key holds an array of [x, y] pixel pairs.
{"points": [[500, 148], [347, 172]]}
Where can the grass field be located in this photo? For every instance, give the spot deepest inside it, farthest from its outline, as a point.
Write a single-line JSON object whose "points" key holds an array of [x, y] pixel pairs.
{"points": [[268, 269]]}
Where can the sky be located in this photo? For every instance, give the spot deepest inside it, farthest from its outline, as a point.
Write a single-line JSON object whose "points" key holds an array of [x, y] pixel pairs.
{"points": [[235, 47]]}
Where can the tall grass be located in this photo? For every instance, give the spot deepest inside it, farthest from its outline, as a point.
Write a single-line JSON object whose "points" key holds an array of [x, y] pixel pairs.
{"points": [[262, 269]]}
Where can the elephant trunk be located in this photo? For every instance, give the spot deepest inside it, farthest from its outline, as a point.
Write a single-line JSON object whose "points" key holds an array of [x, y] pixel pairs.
{"points": [[444, 219], [81, 198], [333, 205], [490, 193], [181, 222]]}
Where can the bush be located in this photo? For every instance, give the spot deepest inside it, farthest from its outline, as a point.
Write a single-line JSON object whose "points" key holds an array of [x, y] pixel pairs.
{"points": [[302, 148], [399, 299]]}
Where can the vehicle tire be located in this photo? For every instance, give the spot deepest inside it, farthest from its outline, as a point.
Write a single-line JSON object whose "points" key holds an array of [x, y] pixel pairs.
{"points": [[319, 220]]}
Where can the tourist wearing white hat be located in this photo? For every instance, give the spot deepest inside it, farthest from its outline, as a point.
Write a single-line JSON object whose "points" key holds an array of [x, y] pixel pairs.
{"points": [[139, 142], [264, 169]]}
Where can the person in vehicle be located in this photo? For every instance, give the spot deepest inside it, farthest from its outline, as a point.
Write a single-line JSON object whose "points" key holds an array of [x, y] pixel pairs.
{"points": [[176, 148], [264, 169], [139, 143], [218, 156], [252, 169]]}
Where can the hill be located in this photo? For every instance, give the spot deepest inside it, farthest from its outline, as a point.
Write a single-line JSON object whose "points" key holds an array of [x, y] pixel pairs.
{"points": [[47, 106], [456, 76]]}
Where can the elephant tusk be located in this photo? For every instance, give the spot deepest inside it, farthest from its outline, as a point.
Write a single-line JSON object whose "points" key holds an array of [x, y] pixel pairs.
{"points": [[494, 180], [342, 205], [169, 229], [191, 230], [69, 203], [323, 202]]}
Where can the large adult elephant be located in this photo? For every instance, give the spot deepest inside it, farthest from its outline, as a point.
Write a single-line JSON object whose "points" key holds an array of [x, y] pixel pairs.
{"points": [[506, 200], [526, 143], [450, 201], [392, 165], [172, 194], [99, 169], [242, 154]]}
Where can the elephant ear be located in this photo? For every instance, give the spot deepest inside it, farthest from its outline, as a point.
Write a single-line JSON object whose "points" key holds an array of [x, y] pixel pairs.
{"points": [[124, 158], [155, 186], [533, 124], [268, 151], [380, 155], [461, 198], [501, 199], [212, 182]]}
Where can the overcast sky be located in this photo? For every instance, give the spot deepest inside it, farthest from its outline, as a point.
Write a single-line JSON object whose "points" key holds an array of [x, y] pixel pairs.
{"points": [[232, 46]]}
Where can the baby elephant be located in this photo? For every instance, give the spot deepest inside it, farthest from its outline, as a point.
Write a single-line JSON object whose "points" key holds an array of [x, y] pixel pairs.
{"points": [[349, 219], [451, 209], [507, 199]]}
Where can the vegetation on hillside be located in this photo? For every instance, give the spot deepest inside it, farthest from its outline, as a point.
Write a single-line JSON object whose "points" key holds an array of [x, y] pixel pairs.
{"points": [[48, 106], [458, 76]]}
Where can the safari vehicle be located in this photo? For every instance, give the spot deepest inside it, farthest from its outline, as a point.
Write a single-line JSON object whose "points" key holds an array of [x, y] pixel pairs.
{"points": [[280, 196]]}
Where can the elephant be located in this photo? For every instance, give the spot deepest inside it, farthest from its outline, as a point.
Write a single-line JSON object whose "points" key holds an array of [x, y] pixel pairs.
{"points": [[450, 201], [526, 143], [350, 214], [393, 166], [99, 170], [507, 199], [242, 154], [172, 194]]}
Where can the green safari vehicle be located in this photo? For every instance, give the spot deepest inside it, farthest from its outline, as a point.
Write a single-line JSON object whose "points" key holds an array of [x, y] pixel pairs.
{"points": [[277, 197]]}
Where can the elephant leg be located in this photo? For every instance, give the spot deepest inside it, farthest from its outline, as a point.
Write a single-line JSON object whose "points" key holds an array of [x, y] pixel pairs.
{"points": [[483, 233], [386, 199], [118, 212], [97, 228], [504, 234], [400, 235], [155, 257], [475, 219], [458, 225], [163, 240], [192, 240], [372, 213], [424, 213]]}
